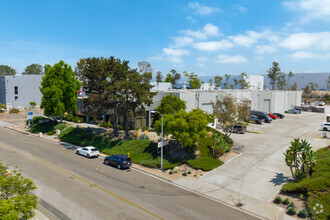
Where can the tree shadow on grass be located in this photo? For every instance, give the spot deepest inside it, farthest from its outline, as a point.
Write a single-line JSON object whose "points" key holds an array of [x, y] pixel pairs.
{"points": [[279, 179]]}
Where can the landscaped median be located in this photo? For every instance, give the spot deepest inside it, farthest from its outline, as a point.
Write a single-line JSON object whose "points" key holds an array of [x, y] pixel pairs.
{"points": [[143, 152]]}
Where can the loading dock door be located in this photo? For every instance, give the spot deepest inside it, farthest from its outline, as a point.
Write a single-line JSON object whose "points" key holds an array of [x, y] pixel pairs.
{"points": [[267, 105]]}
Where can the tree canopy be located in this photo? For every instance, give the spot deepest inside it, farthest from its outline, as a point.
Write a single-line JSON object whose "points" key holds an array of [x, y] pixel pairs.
{"points": [[34, 69], [217, 81], [112, 85], [194, 81], [6, 70], [170, 104], [276, 77], [59, 88], [16, 201], [241, 81], [185, 127]]}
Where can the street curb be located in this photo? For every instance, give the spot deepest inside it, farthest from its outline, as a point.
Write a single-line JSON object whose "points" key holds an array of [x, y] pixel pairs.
{"points": [[153, 175]]}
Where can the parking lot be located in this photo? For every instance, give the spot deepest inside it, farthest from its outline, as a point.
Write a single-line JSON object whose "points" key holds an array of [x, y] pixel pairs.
{"points": [[256, 175]]}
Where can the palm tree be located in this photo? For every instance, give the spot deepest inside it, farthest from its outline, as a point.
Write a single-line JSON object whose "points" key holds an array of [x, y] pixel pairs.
{"points": [[288, 160], [309, 161]]}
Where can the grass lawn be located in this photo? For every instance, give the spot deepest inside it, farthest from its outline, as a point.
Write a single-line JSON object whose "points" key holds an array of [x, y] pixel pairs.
{"points": [[317, 186], [143, 152]]}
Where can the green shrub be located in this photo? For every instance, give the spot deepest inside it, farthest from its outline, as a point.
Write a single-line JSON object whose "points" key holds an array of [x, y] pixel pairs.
{"points": [[144, 137], [78, 120], [144, 129], [278, 200], [175, 171], [184, 174], [205, 163], [189, 172], [120, 127], [105, 124], [292, 205], [292, 211], [14, 111], [170, 172], [303, 213], [286, 201], [50, 132], [33, 104]]}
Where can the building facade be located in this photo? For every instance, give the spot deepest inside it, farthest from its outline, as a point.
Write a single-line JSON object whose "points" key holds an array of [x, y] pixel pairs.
{"points": [[18, 91]]}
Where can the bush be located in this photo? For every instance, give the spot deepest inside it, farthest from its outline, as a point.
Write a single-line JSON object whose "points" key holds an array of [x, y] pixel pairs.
{"points": [[175, 171], [14, 111], [292, 211], [292, 205], [286, 201], [303, 213], [144, 129], [205, 163], [170, 172], [105, 124], [184, 174], [50, 132], [278, 200], [189, 172], [33, 104], [78, 120], [120, 127]]}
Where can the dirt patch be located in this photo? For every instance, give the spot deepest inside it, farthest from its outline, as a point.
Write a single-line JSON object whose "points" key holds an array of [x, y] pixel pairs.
{"points": [[300, 201], [228, 156]]}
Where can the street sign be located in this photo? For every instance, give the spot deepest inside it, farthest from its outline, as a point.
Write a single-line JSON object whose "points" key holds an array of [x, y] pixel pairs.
{"points": [[159, 144], [30, 116]]}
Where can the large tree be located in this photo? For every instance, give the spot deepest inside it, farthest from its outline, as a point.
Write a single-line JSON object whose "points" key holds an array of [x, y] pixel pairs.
{"points": [[34, 69], [229, 112], [217, 81], [241, 81], [16, 200], [281, 81], [170, 104], [175, 77], [159, 78], [226, 83], [145, 67], [6, 70], [59, 88], [290, 75], [273, 74], [194, 81], [185, 127]]}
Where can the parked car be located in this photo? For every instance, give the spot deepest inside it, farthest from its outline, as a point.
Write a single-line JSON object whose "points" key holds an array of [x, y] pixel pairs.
{"points": [[89, 151], [321, 103], [261, 115], [272, 116], [292, 111], [279, 115], [118, 160], [299, 110], [255, 119], [325, 126]]}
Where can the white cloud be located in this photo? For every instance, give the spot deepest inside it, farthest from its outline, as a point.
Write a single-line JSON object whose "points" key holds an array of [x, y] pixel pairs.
{"points": [[246, 40], [262, 49], [209, 30], [241, 8], [308, 55], [222, 58], [175, 52], [213, 45], [156, 58], [310, 9], [175, 59], [302, 41], [191, 19], [182, 41], [202, 10], [200, 64]]}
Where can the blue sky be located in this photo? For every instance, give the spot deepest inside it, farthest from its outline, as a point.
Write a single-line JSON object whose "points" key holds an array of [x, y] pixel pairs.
{"points": [[206, 37]]}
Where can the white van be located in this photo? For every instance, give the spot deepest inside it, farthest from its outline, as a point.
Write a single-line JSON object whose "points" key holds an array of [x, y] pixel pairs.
{"points": [[325, 126]]}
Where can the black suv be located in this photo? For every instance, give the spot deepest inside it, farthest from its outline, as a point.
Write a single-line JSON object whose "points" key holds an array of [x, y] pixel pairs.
{"points": [[255, 119]]}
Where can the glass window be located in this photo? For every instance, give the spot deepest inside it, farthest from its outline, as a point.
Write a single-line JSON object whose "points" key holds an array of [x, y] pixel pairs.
{"points": [[16, 90], [16, 97]]}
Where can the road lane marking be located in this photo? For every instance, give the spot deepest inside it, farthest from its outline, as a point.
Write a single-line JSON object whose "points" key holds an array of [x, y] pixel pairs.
{"points": [[82, 179]]}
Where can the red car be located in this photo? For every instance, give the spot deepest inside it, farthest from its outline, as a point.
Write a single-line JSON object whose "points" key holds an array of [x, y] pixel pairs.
{"points": [[272, 116]]}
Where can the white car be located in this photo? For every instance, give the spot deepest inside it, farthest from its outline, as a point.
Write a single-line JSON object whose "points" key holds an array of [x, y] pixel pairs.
{"points": [[89, 151], [292, 111], [321, 103], [325, 126]]}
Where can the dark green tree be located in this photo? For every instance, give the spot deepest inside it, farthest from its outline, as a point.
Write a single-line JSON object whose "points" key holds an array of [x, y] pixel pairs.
{"points": [[59, 88], [159, 78], [273, 74], [168, 78], [193, 80], [175, 77], [6, 70], [290, 75], [145, 67], [217, 81], [16, 201], [34, 69], [226, 83], [241, 81], [281, 81]]}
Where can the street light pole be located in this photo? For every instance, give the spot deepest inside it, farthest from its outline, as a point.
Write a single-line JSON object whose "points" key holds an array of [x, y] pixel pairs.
{"points": [[162, 141]]}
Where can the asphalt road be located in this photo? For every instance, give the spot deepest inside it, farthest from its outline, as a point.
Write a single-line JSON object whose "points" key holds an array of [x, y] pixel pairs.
{"points": [[74, 187]]}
